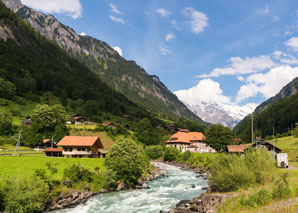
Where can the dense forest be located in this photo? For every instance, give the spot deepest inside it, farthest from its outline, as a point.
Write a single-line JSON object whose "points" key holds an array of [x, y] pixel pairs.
{"points": [[280, 116]]}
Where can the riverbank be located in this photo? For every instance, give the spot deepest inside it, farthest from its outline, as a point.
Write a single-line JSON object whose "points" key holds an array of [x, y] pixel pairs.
{"points": [[74, 198]]}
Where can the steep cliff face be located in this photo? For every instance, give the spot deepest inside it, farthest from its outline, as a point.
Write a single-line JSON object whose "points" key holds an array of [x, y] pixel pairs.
{"points": [[124, 76]]}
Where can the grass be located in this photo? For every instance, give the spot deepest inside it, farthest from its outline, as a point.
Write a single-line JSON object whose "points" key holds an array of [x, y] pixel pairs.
{"points": [[288, 145], [11, 166], [82, 126]]}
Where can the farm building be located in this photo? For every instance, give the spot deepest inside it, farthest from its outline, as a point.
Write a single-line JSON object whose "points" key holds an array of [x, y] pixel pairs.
{"points": [[192, 141], [268, 146], [81, 146], [237, 148]]}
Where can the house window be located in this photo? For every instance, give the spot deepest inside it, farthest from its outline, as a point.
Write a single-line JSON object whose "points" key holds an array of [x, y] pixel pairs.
{"points": [[83, 149], [70, 149], [65, 149], [79, 149]]}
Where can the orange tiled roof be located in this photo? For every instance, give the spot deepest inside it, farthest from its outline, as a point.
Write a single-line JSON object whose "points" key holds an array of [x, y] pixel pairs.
{"points": [[78, 141], [186, 137], [45, 140], [237, 148], [53, 150]]}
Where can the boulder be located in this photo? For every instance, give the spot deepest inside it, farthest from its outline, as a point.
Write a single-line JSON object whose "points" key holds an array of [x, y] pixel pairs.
{"points": [[120, 186]]}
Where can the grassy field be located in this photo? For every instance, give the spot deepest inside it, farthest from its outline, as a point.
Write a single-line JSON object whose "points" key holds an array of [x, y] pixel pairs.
{"points": [[26, 165], [82, 126], [288, 145]]}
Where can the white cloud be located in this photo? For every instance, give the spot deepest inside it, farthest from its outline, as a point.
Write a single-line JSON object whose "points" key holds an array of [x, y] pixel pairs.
{"points": [[285, 58], [72, 8], [240, 78], [199, 20], [292, 43], [267, 84], [205, 91], [163, 12], [170, 36], [242, 66], [82, 34], [119, 20], [115, 9], [163, 49], [175, 25], [118, 49]]}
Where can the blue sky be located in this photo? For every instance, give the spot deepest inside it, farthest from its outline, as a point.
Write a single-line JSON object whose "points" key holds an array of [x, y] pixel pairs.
{"points": [[230, 52]]}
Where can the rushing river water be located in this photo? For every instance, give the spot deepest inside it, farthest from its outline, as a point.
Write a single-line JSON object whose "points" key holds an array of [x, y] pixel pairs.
{"points": [[164, 194]]}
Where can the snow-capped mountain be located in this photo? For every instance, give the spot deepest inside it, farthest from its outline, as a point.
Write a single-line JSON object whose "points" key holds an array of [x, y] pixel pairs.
{"points": [[228, 115]]}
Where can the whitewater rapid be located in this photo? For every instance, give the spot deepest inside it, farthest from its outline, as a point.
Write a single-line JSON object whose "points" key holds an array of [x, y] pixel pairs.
{"points": [[164, 194]]}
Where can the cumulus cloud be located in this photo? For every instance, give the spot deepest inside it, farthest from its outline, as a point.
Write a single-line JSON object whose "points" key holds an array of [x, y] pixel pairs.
{"points": [[169, 36], [242, 66], [119, 20], [206, 90], [199, 20], [83, 34], [72, 8], [115, 9], [163, 12], [284, 57], [163, 49], [292, 43], [118, 49], [267, 84]]}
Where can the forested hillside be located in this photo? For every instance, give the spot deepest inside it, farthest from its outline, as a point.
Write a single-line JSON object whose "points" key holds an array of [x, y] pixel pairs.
{"points": [[31, 65], [122, 75], [279, 112]]}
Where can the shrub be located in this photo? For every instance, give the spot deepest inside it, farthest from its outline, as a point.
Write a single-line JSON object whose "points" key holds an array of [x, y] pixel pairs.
{"points": [[186, 155], [77, 173], [260, 198], [23, 195], [154, 152], [171, 154], [127, 160], [281, 189], [232, 172]]}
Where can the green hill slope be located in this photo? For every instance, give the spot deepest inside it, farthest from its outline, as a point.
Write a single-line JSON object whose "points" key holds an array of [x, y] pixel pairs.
{"points": [[122, 75]]}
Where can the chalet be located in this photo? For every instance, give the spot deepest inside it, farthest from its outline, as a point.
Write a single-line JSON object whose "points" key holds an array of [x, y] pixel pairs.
{"points": [[75, 119], [237, 148], [126, 116], [109, 124], [27, 121], [81, 146], [47, 143], [182, 130], [192, 141], [267, 146], [53, 152]]}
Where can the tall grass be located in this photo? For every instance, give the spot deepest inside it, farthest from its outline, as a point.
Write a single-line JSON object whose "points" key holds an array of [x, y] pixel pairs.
{"points": [[232, 172]]}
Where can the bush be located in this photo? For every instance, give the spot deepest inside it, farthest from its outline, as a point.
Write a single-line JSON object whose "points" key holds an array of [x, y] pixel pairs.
{"points": [[23, 195], [127, 160], [260, 198], [77, 173], [154, 152], [186, 155], [171, 154], [232, 172], [281, 189]]}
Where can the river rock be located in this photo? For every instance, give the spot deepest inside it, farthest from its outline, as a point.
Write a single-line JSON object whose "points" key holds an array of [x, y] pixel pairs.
{"points": [[145, 186], [120, 186]]}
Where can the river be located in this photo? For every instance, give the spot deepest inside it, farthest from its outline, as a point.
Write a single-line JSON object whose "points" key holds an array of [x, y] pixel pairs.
{"points": [[164, 194]]}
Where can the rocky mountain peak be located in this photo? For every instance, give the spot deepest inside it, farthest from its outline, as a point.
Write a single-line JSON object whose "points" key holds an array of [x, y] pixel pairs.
{"points": [[14, 5]]}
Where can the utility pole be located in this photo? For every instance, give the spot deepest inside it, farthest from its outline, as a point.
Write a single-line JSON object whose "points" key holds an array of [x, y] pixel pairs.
{"points": [[252, 127]]}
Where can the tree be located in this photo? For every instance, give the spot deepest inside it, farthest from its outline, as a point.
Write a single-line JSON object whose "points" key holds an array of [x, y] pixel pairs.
{"points": [[146, 134], [219, 136], [46, 118], [5, 122], [171, 154], [295, 132], [127, 160], [7, 89]]}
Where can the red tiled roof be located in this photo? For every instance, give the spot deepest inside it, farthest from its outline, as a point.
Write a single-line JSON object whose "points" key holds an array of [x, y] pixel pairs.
{"points": [[45, 140], [183, 130], [186, 137], [78, 141], [53, 150], [237, 148]]}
